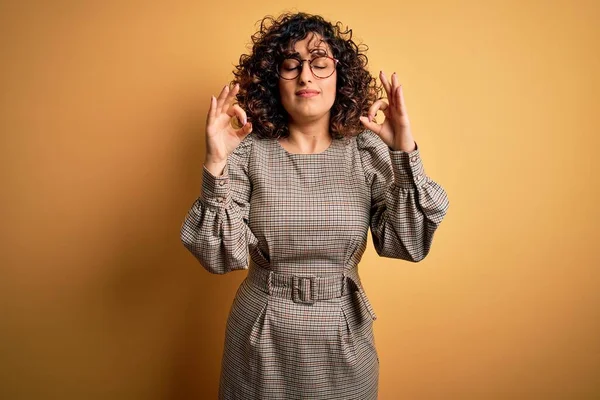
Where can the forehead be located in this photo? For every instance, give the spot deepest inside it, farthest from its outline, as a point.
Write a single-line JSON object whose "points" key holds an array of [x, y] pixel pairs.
{"points": [[311, 42]]}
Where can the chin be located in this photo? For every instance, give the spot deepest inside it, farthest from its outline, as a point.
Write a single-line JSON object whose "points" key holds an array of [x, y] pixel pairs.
{"points": [[310, 114], [303, 118]]}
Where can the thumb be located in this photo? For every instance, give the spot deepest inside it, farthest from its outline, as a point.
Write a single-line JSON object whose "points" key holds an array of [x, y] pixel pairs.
{"points": [[244, 130]]}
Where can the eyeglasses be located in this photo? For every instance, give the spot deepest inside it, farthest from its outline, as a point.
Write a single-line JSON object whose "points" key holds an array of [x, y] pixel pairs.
{"points": [[321, 67]]}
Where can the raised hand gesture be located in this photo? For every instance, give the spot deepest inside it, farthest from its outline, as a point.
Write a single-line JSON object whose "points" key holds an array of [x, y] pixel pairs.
{"points": [[395, 130], [221, 137]]}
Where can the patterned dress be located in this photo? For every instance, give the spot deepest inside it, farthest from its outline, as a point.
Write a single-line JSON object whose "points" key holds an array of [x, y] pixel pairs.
{"points": [[301, 325]]}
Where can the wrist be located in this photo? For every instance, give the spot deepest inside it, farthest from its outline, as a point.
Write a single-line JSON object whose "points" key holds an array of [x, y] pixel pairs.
{"points": [[215, 167], [406, 145]]}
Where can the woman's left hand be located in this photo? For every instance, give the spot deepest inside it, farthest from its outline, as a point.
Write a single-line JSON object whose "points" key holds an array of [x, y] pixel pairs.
{"points": [[395, 130]]}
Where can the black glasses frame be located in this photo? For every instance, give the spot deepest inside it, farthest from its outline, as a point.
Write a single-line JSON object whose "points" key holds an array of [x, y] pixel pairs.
{"points": [[310, 61]]}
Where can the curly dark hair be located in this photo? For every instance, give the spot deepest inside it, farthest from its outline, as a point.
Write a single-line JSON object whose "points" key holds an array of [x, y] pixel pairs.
{"points": [[257, 75]]}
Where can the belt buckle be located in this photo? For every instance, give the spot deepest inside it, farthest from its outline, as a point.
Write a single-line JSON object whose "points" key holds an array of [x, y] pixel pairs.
{"points": [[300, 291]]}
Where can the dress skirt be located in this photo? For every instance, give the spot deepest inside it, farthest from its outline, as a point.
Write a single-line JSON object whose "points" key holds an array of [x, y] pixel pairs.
{"points": [[276, 348]]}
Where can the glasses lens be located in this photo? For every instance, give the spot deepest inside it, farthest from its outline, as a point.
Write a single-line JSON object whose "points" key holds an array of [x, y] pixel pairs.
{"points": [[290, 68], [322, 67]]}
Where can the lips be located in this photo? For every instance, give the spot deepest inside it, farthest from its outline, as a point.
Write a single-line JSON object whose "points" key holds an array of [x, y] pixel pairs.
{"points": [[307, 93]]}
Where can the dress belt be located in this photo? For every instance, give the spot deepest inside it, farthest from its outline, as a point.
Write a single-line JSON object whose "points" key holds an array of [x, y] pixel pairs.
{"points": [[307, 289]]}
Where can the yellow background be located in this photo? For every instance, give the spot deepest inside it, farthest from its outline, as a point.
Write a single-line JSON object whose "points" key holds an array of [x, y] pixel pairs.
{"points": [[102, 108]]}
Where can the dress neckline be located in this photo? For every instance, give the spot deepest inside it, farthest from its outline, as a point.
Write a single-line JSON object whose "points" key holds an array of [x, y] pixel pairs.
{"points": [[327, 150]]}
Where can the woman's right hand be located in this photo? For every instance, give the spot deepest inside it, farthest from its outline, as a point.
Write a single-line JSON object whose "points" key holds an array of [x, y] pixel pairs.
{"points": [[221, 137]]}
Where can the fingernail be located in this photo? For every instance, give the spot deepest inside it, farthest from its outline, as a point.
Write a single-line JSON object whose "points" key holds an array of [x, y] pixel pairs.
{"points": [[245, 121], [370, 118]]}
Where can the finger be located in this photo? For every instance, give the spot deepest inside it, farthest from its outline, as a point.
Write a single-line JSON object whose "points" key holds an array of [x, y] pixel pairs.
{"points": [[394, 88], [221, 98], [212, 110], [394, 82], [378, 105], [386, 84], [230, 97], [238, 112], [400, 101], [388, 88], [244, 130], [373, 126]]}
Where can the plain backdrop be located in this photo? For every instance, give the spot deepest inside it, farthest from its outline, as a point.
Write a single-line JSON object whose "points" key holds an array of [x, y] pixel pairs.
{"points": [[102, 112]]}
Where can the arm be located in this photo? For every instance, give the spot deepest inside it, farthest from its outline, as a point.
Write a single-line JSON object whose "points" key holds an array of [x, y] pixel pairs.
{"points": [[406, 205], [215, 229]]}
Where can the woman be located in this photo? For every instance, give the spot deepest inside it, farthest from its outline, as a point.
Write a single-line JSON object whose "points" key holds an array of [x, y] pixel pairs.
{"points": [[296, 187]]}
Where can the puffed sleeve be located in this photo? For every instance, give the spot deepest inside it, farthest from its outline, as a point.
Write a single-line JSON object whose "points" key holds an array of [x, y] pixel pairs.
{"points": [[407, 206], [215, 229]]}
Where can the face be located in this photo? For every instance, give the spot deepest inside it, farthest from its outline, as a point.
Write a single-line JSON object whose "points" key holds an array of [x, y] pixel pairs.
{"points": [[308, 98]]}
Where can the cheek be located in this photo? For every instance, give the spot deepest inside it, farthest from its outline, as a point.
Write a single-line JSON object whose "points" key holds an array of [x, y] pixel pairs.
{"points": [[286, 96], [285, 92], [331, 90]]}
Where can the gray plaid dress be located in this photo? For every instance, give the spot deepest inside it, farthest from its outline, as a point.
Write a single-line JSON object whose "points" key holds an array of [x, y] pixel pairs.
{"points": [[301, 325]]}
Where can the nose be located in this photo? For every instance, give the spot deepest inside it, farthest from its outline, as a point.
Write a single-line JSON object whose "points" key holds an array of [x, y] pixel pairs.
{"points": [[305, 74]]}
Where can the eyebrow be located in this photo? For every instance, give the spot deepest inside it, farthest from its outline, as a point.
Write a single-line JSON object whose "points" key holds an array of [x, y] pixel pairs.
{"points": [[313, 52], [318, 50]]}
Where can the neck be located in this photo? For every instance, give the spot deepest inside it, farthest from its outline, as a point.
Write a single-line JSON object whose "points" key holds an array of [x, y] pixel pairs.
{"points": [[313, 137]]}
